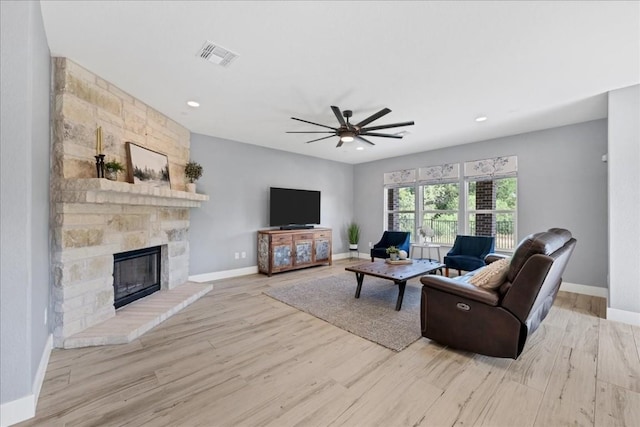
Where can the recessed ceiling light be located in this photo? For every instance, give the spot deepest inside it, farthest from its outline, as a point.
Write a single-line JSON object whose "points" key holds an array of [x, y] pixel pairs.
{"points": [[359, 148], [481, 118], [193, 104]]}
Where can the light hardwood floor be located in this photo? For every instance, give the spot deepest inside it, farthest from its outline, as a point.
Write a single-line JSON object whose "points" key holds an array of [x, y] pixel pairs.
{"points": [[239, 358]]}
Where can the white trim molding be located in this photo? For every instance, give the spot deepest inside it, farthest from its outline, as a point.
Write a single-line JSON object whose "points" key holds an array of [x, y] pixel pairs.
{"points": [[225, 274], [24, 408], [594, 291], [623, 316]]}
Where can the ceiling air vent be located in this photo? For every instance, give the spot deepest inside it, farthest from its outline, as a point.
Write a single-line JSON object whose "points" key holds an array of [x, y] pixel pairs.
{"points": [[216, 54]]}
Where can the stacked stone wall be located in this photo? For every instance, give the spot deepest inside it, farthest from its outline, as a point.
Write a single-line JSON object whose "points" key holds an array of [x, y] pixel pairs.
{"points": [[93, 219], [84, 101]]}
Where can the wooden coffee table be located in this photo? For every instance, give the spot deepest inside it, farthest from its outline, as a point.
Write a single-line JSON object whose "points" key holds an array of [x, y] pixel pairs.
{"points": [[399, 273]]}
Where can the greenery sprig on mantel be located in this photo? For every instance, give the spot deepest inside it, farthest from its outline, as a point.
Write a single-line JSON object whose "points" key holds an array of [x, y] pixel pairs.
{"points": [[114, 166], [193, 171]]}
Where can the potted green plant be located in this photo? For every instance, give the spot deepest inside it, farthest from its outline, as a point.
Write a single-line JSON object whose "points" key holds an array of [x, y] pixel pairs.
{"points": [[353, 232], [193, 172], [393, 253], [112, 168]]}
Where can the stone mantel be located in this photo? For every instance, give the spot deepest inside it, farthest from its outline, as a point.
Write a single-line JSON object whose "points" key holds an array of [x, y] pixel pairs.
{"points": [[104, 191]]}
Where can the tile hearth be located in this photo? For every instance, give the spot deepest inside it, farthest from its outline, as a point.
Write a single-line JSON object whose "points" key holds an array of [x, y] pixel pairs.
{"points": [[133, 320]]}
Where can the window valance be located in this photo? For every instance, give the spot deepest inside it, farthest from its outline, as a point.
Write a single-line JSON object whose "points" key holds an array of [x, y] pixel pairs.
{"points": [[398, 178], [487, 169], [449, 172]]}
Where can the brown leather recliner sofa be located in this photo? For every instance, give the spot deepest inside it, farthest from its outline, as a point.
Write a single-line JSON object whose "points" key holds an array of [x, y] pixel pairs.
{"points": [[497, 322]]}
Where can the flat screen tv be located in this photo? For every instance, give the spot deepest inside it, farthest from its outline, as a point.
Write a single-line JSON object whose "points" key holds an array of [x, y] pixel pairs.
{"points": [[291, 208]]}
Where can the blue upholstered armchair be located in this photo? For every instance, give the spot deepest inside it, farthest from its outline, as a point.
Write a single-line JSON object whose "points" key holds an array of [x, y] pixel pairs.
{"points": [[468, 253], [399, 239]]}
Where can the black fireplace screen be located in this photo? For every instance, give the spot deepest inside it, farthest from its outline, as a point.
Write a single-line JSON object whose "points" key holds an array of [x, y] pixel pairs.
{"points": [[136, 274]]}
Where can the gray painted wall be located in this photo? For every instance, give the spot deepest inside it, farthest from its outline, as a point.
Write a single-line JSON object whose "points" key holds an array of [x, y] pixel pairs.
{"points": [[624, 199], [237, 178], [24, 221], [562, 182]]}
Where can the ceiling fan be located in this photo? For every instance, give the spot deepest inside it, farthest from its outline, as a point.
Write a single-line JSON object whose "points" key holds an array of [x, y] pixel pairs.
{"points": [[347, 132]]}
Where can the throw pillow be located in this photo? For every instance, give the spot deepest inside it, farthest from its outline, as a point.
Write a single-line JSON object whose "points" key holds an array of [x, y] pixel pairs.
{"points": [[491, 276]]}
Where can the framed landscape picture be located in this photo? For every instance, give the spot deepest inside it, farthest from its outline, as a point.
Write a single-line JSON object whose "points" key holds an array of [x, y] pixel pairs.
{"points": [[147, 167]]}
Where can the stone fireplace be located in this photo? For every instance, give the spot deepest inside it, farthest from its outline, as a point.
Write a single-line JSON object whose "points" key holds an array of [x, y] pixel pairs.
{"points": [[94, 218]]}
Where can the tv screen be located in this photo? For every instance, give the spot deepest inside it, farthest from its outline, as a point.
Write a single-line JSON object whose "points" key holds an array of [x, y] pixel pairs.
{"points": [[288, 206]]}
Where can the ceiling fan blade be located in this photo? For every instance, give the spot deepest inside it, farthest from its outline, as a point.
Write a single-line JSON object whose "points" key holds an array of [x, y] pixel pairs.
{"points": [[382, 135], [338, 114], [365, 140], [312, 123], [320, 139], [339, 143], [310, 131], [392, 125], [373, 117]]}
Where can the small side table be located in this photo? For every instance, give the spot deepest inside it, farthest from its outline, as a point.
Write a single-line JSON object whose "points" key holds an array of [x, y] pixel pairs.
{"points": [[428, 247]]}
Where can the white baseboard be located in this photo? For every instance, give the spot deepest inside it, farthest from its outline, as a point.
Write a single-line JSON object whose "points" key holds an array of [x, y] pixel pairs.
{"points": [[348, 255], [17, 410], [624, 316], [217, 275], [594, 291], [24, 408], [615, 314]]}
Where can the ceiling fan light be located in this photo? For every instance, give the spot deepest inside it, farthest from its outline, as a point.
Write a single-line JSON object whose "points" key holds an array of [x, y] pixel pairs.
{"points": [[347, 136]]}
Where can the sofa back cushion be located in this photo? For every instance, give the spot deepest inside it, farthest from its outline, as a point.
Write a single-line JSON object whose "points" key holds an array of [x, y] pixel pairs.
{"points": [[545, 243], [535, 275]]}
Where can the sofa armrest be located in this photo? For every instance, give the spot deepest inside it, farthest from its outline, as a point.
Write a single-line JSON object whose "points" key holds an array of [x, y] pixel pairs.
{"points": [[461, 289], [494, 257]]}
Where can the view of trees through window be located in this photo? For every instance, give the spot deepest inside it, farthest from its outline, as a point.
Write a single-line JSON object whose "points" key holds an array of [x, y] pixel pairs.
{"points": [[440, 210], [490, 209]]}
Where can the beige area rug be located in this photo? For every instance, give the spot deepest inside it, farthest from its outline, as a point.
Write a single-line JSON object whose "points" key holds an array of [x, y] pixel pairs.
{"points": [[372, 316]]}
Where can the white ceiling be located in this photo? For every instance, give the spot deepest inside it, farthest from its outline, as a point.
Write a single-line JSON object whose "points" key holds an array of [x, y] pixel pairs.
{"points": [[525, 65]]}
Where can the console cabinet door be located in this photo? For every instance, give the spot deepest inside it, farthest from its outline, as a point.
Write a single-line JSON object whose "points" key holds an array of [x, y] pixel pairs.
{"points": [[281, 257], [304, 252], [323, 250], [281, 252]]}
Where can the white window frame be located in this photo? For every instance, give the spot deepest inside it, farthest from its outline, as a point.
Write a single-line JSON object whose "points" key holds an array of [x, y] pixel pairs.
{"points": [[480, 170]]}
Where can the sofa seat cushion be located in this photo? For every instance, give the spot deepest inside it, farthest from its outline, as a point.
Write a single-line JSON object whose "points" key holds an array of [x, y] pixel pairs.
{"points": [[491, 276]]}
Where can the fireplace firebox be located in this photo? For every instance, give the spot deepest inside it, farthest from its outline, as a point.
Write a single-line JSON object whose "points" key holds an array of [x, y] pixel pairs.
{"points": [[136, 274]]}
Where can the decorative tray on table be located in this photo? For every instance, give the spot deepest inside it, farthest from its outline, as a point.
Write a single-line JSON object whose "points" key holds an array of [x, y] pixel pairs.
{"points": [[400, 261]]}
